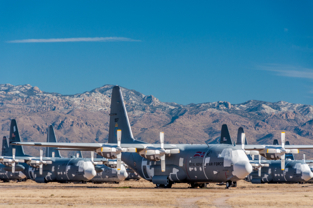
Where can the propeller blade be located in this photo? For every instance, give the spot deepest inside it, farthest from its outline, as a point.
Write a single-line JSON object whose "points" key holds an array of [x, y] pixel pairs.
{"points": [[243, 137], [163, 163], [119, 137], [174, 151], [40, 168], [108, 149], [283, 162], [283, 140], [41, 152], [260, 166], [13, 167], [119, 162], [53, 154], [151, 152], [131, 149], [92, 154], [304, 158], [13, 153], [162, 139]]}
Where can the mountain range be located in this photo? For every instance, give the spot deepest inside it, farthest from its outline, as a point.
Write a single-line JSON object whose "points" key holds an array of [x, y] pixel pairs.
{"points": [[84, 117]]}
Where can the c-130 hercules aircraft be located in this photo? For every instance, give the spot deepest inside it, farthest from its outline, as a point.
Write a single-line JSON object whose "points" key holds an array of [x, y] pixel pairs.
{"points": [[164, 164]]}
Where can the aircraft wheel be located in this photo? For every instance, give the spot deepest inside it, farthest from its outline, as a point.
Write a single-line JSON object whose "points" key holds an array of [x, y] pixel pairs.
{"points": [[228, 184], [169, 185], [234, 184], [202, 185], [159, 186], [194, 185]]}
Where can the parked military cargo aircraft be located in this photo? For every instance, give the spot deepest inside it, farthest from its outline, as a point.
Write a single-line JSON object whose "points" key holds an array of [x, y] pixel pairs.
{"points": [[269, 171]]}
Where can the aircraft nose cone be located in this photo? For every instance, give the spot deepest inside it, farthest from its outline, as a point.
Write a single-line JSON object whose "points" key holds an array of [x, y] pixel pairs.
{"points": [[307, 175], [89, 171], [242, 169]]}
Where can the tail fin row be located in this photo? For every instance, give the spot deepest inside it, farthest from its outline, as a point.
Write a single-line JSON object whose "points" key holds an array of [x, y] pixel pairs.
{"points": [[15, 137], [225, 137]]}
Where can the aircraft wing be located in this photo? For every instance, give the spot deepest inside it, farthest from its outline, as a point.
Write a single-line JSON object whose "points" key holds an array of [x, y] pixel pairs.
{"points": [[262, 147], [86, 146], [78, 146]]}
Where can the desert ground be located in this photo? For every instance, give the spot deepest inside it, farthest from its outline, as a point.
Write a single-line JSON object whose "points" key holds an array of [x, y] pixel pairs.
{"points": [[143, 194]]}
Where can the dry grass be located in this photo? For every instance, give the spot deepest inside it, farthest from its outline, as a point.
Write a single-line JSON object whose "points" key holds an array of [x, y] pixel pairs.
{"points": [[143, 194]]}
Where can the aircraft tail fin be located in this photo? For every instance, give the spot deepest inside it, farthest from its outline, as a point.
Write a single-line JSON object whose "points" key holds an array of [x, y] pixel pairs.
{"points": [[80, 154], [275, 142], [52, 138], [289, 156], [240, 132], [15, 137], [119, 118], [5, 146], [225, 137]]}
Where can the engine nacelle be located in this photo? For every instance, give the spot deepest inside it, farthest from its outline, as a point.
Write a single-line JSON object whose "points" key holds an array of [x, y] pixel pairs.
{"points": [[151, 157], [109, 155], [276, 153]]}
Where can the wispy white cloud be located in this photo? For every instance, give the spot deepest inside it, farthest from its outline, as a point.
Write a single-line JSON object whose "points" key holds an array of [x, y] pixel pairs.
{"points": [[88, 39], [289, 71]]}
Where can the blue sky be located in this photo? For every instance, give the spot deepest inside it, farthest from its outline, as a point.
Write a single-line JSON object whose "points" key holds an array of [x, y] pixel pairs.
{"points": [[178, 51]]}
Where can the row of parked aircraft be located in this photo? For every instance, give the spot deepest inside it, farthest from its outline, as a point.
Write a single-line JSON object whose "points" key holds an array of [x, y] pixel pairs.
{"points": [[162, 164], [16, 165]]}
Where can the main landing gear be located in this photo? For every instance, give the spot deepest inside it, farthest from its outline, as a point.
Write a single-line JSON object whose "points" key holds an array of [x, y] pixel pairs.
{"points": [[231, 184], [168, 185], [198, 185]]}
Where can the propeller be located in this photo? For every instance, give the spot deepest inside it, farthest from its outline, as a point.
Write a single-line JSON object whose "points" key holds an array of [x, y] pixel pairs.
{"points": [[39, 163], [161, 152], [13, 161], [304, 158], [252, 152]]}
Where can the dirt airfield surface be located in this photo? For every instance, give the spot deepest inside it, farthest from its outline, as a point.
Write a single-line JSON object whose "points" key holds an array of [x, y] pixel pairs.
{"points": [[143, 194]]}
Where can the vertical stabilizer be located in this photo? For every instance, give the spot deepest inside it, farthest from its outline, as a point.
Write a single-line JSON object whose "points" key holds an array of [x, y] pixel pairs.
{"points": [[15, 137], [119, 118], [5, 147], [275, 142], [225, 137], [51, 138], [240, 132], [80, 154]]}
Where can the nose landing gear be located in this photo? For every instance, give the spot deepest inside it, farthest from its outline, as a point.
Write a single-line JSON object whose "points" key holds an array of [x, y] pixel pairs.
{"points": [[231, 184]]}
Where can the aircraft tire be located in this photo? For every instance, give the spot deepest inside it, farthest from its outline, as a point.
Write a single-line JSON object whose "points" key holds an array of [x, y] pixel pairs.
{"points": [[234, 184], [228, 184]]}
